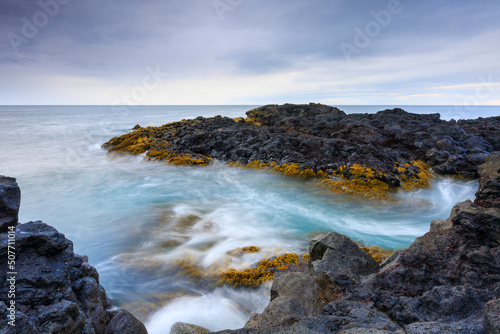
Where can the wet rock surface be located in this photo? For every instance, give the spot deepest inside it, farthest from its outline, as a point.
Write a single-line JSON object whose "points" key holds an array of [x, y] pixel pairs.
{"points": [[323, 138], [56, 290], [447, 281], [10, 199]]}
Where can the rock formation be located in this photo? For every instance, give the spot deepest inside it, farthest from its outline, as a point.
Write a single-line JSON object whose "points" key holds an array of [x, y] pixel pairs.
{"points": [[48, 288], [447, 281], [366, 154]]}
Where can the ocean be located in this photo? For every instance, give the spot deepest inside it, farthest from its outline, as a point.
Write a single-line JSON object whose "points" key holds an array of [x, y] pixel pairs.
{"points": [[139, 220]]}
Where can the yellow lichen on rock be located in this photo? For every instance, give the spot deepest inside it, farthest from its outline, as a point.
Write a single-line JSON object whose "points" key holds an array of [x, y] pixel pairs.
{"points": [[378, 254], [136, 142], [189, 269], [292, 170], [264, 271], [243, 250], [176, 159], [420, 179], [364, 181], [187, 160], [246, 278], [280, 262]]}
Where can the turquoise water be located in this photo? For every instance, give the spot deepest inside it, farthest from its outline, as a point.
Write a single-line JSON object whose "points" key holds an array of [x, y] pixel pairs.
{"points": [[126, 213]]}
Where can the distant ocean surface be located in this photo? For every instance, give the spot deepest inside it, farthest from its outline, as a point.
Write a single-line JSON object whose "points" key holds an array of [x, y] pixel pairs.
{"points": [[135, 218]]}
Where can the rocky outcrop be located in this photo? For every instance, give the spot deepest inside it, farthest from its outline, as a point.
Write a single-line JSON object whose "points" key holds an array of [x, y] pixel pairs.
{"points": [[447, 281], [48, 288], [10, 199], [321, 141]]}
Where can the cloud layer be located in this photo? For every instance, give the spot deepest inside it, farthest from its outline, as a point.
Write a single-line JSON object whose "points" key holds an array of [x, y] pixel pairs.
{"points": [[249, 52]]}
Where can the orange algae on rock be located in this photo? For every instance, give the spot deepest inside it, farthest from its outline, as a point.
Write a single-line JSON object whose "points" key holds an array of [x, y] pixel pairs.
{"points": [[136, 142], [176, 159], [367, 182], [379, 254], [264, 271], [246, 278], [243, 250], [419, 179], [364, 181]]}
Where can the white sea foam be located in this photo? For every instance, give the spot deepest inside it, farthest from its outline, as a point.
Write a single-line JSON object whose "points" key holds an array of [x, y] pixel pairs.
{"points": [[116, 209]]}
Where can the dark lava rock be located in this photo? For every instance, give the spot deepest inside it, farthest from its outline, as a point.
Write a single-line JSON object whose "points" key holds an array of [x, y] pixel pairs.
{"points": [[323, 138], [492, 317], [10, 199], [335, 254], [447, 281], [56, 290], [489, 192]]}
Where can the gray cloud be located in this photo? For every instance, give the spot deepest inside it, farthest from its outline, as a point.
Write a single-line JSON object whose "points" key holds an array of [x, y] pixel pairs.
{"points": [[116, 40]]}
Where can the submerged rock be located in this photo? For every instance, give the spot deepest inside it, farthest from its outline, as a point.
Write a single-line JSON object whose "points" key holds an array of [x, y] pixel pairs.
{"points": [[49, 288]]}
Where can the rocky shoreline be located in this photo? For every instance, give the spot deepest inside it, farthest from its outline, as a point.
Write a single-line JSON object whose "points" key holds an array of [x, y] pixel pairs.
{"points": [[361, 154], [48, 288], [447, 281]]}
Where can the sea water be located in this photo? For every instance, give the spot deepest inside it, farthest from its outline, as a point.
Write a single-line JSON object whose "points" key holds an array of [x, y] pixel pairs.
{"points": [[137, 219]]}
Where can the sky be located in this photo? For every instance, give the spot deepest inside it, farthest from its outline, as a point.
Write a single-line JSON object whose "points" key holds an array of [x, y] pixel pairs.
{"points": [[250, 52]]}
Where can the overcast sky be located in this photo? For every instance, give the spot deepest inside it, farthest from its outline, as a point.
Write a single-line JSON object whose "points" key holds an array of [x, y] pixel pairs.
{"points": [[250, 52]]}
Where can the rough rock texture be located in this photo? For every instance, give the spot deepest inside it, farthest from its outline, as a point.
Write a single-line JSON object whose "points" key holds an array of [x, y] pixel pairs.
{"points": [[492, 317], [56, 290], [447, 281], [183, 328], [321, 137], [10, 199], [335, 254]]}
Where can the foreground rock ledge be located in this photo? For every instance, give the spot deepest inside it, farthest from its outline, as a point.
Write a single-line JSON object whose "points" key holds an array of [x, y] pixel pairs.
{"points": [[446, 282], [56, 290]]}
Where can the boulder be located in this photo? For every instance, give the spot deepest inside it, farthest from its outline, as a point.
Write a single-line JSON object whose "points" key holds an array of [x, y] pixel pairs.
{"points": [[10, 199], [491, 313], [336, 255], [56, 290], [184, 328]]}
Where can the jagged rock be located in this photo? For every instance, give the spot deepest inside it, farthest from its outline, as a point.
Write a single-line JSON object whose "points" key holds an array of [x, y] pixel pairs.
{"points": [[295, 295], [335, 254], [10, 199], [492, 317], [124, 322], [283, 311], [56, 290], [489, 193], [322, 138], [447, 281], [184, 328]]}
